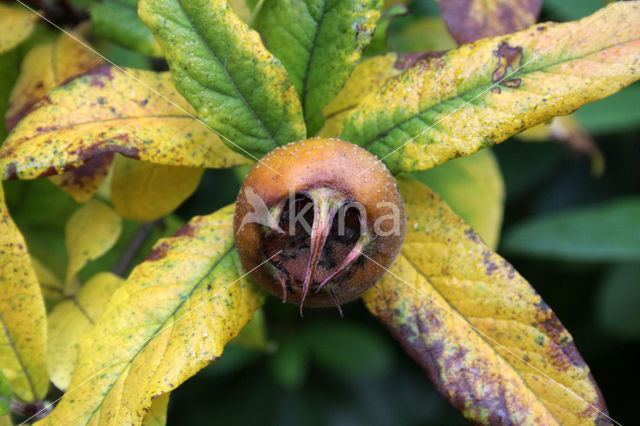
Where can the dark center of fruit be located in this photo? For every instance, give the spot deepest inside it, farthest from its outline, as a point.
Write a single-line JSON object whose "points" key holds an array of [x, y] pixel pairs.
{"points": [[321, 237]]}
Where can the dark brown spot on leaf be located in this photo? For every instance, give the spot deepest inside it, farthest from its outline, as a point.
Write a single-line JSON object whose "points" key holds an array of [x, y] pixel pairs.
{"points": [[12, 172], [408, 60], [513, 83], [50, 171], [187, 230], [158, 252], [509, 61]]}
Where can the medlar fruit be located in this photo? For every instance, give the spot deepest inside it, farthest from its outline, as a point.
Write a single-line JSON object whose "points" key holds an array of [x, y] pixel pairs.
{"points": [[318, 221]]}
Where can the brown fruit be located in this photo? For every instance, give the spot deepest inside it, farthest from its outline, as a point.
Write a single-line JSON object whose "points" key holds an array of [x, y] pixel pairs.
{"points": [[318, 221]]}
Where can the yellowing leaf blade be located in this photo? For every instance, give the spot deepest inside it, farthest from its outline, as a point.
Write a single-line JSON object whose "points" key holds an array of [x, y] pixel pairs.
{"points": [[473, 187], [480, 94], [107, 110], [51, 286], [470, 20], [220, 66], [16, 23], [368, 77], [486, 338], [146, 192], [71, 319], [172, 317], [90, 232], [45, 67], [157, 415], [22, 315]]}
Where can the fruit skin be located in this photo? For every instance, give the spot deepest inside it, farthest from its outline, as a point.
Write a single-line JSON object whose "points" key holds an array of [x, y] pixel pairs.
{"points": [[321, 163]]}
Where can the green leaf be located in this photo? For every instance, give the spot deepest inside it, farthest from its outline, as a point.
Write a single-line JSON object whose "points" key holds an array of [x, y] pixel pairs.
{"points": [[488, 341], [473, 187], [319, 42], [566, 10], [604, 232], [222, 68], [290, 364], [5, 395], [118, 21], [348, 349], [172, 317], [481, 94], [254, 334], [9, 70], [378, 44], [41, 210], [618, 300], [418, 34]]}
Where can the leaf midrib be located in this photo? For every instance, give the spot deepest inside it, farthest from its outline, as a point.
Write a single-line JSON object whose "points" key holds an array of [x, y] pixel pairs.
{"points": [[160, 329], [12, 345], [314, 43], [467, 323], [517, 74], [197, 31]]}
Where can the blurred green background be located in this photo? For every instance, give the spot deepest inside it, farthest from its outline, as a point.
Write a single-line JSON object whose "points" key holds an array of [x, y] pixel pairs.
{"points": [[570, 228]]}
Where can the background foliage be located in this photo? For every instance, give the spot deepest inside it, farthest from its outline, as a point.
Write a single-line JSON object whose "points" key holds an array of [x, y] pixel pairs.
{"points": [[590, 275]]}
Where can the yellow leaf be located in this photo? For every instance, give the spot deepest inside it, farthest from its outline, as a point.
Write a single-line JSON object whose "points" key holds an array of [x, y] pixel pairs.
{"points": [[107, 110], [241, 8], [481, 94], [488, 341], [83, 182], [157, 415], [368, 76], [44, 67], [22, 315], [50, 284], [89, 233], [475, 19], [71, 319], [146, 192], [473, 187], [16, 23], [172, 317]]}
